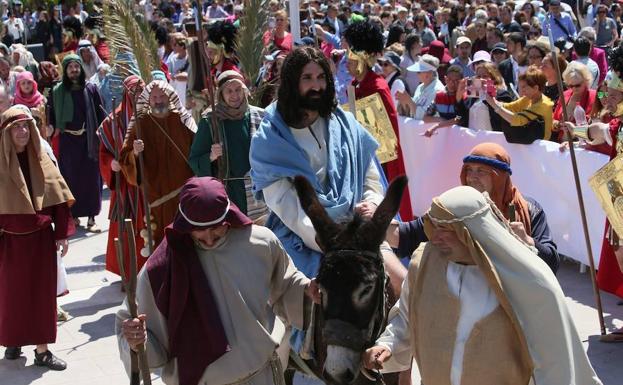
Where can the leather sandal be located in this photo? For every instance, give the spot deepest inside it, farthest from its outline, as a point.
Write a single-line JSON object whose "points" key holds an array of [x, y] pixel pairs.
{"points": [[12, 352], [50, 360]]}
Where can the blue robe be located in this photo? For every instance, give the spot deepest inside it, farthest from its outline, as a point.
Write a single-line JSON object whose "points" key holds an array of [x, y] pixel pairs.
{"points": [[275, 154]]}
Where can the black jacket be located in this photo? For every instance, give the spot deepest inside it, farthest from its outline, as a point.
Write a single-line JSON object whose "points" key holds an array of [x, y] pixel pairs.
{"points": [[506, 69]]}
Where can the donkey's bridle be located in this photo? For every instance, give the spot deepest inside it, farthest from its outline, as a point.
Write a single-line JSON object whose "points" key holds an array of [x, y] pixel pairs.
{"points": [[341, 333]]}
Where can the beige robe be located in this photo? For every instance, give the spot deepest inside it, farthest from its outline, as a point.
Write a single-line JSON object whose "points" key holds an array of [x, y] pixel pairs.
{"points": [[529, 335], [256, 286]]}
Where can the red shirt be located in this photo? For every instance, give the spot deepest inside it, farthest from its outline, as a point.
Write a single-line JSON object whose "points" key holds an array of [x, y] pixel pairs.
{"points": [[284, 43]]}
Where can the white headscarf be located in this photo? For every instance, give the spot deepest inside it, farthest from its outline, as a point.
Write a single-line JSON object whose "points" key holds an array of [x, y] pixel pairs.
{"points": [[526, 283], [90, 69]]}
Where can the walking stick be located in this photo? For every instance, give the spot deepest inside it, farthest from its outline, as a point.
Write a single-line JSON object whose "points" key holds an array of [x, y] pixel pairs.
{"points": [[135, 378], [143, 187], [131, 296], [120, 201], [578, 189], [207, 63]]}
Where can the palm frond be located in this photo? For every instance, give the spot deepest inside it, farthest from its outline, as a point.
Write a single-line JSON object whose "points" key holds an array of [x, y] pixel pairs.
{"points": [[249, 44], [127, 34]]}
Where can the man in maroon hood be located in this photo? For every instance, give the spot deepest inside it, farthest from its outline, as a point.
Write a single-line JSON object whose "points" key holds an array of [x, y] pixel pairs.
{"points": [[202, 296]]}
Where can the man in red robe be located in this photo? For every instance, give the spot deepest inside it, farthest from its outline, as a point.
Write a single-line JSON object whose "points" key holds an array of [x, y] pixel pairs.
{"points": [[33, 197], [125, 199], [604, 136], [366, 44]]}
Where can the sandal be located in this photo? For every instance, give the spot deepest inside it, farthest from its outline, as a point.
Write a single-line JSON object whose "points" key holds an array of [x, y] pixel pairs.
{"points": [[61, 315], [92, 226], [615, 336], [50, 360], [12, 352]]}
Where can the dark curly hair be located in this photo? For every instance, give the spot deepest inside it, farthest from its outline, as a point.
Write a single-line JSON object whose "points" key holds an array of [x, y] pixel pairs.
{"points": [[289, 98], [364, 36], [223, 32], [615, 60], [73, 24]]}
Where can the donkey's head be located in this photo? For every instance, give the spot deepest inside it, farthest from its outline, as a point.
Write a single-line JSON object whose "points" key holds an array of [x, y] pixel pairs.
{"points": [[351, 278]]}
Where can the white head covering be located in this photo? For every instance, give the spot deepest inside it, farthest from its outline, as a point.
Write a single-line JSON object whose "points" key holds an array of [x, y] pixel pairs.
{"points": [[90, 69], [522, 280]]}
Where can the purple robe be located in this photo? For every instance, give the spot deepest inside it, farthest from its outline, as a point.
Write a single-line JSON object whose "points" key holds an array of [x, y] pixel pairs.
{"points": [[78, 154]]}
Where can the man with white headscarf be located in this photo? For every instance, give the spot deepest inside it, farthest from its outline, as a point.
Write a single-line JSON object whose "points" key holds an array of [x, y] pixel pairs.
{"points": [[163, 131], [478, 305], [90, 59]]}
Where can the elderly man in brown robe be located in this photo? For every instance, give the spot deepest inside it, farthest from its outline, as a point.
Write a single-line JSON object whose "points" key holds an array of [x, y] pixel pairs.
{"points": [[162, 131], [478, 306]]}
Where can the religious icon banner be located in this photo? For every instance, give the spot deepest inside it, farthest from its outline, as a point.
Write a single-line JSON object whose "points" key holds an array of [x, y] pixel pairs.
{"points": [[372, 115], [607, 183]]}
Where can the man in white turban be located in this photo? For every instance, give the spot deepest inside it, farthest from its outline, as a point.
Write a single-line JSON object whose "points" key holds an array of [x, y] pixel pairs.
{"points": [[479, 306]]}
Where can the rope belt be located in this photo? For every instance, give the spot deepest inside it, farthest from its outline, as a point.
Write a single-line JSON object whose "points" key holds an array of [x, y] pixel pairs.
{"points": [[3, 231], [165, 198], [76, 132], [275, 365]]}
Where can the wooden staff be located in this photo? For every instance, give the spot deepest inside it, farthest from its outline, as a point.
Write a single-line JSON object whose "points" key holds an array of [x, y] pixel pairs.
{"points": [[578, 188], [120, 212], [135, 378], [209, 85], [132, 305], [143, 187]]}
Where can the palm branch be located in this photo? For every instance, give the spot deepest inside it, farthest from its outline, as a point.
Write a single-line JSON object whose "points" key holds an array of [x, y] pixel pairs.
{"points": [[249, 44], [127, 33]]}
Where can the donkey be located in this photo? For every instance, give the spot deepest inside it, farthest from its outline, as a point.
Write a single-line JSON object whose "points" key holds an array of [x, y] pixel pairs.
{"points": [[352, 283]]}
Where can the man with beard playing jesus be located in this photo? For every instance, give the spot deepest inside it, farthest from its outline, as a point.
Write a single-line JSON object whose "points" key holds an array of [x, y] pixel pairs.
{"points": [[306, 133]]}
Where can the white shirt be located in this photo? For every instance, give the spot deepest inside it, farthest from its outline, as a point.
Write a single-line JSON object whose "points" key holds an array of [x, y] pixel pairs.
{"points": [[424, 96], [15, 27], [281, 197], [397, 85]]}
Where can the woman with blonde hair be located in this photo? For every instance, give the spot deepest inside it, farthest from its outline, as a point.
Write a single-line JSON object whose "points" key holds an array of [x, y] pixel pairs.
{"points": [[278, 36], [578, 79]]}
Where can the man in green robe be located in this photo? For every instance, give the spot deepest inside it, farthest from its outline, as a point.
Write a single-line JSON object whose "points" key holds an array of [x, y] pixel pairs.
{"points": [[237, 122]]}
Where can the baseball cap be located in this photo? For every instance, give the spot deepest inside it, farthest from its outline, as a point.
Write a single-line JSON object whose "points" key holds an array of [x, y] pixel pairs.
{"points": [[463, 39], [499, 47]]}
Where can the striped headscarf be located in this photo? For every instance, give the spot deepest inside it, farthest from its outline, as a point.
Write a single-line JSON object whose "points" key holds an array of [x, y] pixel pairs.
{"points": [[175, 106]]}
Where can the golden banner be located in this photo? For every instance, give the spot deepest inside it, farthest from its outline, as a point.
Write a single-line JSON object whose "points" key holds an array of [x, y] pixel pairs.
{"points": [[372, 115], [607, 183]]}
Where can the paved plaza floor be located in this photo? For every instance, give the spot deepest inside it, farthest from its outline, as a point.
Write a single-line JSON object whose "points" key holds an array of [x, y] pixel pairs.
{"points": [[88, 344]]}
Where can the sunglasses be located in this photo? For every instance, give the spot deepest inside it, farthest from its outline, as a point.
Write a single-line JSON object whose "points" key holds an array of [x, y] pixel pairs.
{"points": [[384, 64], [574, 85], [601, 12], [602, 94]]}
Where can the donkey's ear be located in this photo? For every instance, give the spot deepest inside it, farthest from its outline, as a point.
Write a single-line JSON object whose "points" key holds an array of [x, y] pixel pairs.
{"points": [[376, 228], [325, 227]]}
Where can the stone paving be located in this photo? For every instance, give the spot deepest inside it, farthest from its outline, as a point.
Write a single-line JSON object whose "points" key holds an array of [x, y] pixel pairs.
{"points": [[88, 344]]}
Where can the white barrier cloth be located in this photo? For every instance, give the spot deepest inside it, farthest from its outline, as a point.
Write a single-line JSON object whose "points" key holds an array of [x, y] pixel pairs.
{"points": [[540, 171]]}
